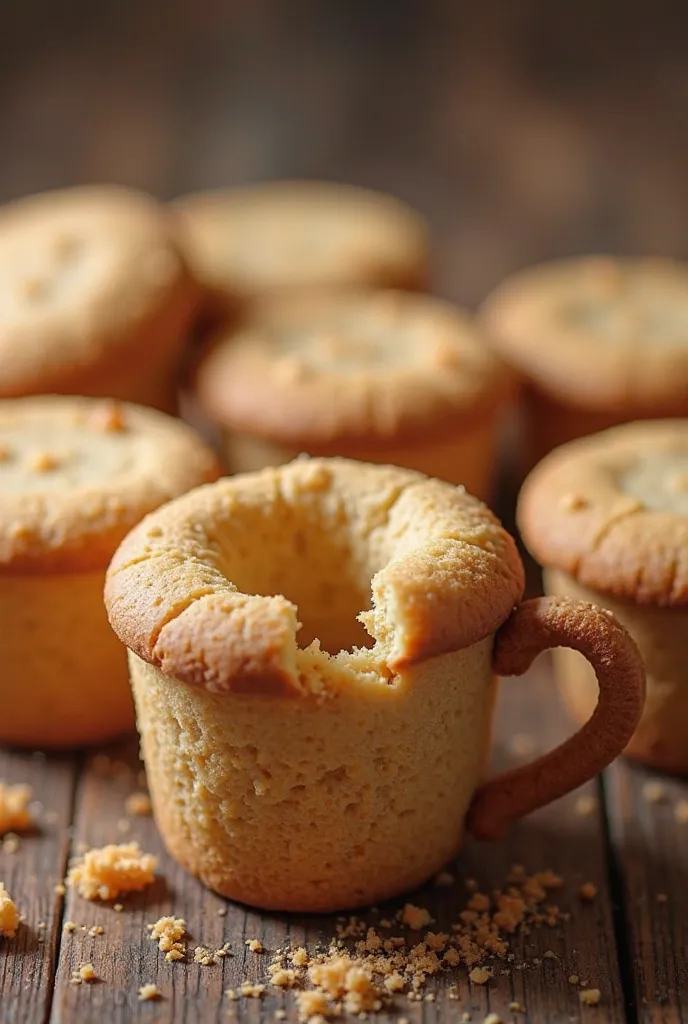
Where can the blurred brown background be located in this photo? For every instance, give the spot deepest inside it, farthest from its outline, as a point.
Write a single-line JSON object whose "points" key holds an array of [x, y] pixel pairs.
{"points": [[522, 129]]}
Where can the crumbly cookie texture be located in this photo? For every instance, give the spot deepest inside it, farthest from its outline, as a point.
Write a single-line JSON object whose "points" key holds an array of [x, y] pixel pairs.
{"points": [[78, 473], [250, 242], [611, 511], [169, 934], [353, 368], [598, 332], [9, 914], [105, 873], [442, 571], [92, 278], [15, 815]]}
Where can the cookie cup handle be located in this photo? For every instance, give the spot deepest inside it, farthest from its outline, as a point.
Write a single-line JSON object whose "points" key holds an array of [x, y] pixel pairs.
{"points": [[536, 626]]}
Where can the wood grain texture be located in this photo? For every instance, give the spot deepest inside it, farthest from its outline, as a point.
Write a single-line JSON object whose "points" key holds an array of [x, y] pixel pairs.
{"points": [[27, 962], [125, 958], [651, 852]]}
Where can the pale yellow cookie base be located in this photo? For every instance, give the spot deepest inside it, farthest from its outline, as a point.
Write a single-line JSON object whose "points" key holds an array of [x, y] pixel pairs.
{"points": [[468, 458], [661, 739], [318, 805], [64, 673]]}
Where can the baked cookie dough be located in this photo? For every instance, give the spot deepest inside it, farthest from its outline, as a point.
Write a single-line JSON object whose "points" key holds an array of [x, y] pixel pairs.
{"points": [[383, 377], [599, 341], [95, 297], [607, 518], [75, 475]]}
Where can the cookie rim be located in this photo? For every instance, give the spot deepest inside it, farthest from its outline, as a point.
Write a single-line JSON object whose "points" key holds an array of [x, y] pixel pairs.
{"points": [[156, 327], [76, 531], [407, 266], [636, 379], [243, 389], [573, 517], [227, 641]]}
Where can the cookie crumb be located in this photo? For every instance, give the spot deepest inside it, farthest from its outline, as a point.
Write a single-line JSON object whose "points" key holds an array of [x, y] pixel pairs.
{"points": [[493, 1018], [282, 977], [14, 808], [11, 843], [480, 975], [299, 957], [415, 917], [681, 812], [9, 914], [312, 1004], [118, 908], [588, 891], [59, 889], [149, 992], [586, 805], [516, 1007], [87, 972], [251, 991], [590, 996], [96, 930], [102, 874], [653, 793], [255, 945], [138, 804], [169, 932]]}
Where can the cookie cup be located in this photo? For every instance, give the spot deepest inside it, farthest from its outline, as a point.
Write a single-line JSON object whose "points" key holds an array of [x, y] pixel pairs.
{"points": [[97, 297], [599, 341], [607, 517], [300, 777], [253, 243], [75, 476], [380, 377]]}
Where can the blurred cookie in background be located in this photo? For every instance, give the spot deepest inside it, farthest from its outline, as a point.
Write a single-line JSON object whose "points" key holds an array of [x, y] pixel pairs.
{"points": [[382, 377], [95, 296], [250, 243], [598, 340]]}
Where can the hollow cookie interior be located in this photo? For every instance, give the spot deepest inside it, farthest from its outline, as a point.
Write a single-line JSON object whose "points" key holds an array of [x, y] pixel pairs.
{"points": [[332, 765]]}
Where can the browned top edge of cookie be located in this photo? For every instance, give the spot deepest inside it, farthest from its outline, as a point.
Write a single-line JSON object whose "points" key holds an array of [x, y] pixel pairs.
{"points": [[352, 368], [98, 280], [611, 510], [597, 332], [444, 573], [210, 221], [77, 473]]}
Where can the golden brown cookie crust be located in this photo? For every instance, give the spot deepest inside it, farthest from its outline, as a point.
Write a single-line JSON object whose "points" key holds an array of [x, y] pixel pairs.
{"points": [[92, 276], [77, 473], [244, 243], [351, 368], [598, 332], [443, 572], [611, 510]]}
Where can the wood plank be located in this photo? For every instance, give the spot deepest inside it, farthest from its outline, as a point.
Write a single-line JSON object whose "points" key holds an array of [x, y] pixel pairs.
{"points": [[556, 838], [27, 962], [651, 853]]}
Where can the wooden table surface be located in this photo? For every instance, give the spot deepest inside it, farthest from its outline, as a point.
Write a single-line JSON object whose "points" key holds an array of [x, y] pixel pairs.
{"points": [[522, 130]]}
